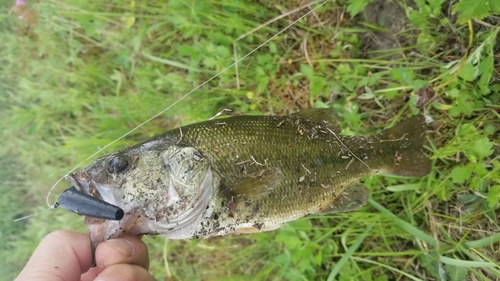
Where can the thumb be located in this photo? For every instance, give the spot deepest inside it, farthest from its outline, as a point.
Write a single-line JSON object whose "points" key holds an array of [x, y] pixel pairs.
{"points": [[61, 256]]}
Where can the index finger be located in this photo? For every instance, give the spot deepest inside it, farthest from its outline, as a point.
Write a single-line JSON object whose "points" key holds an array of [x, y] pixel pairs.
{"points": [[61, 256]]}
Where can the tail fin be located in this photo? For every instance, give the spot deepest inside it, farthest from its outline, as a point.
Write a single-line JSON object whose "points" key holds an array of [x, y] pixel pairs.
{"points": [[404, 142]]}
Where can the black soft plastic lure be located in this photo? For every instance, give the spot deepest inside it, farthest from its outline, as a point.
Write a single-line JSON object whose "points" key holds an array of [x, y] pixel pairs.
{"points": [[77, 202]]}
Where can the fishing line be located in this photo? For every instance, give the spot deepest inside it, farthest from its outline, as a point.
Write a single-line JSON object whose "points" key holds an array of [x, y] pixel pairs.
{"points": [[52, 206], [29, 216], [345, 146]]}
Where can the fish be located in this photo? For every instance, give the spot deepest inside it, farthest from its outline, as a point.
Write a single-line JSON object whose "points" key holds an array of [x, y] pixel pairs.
{"points": [[244, 174]]}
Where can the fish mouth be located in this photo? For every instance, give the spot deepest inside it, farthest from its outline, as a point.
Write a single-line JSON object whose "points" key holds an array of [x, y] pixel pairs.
{"points": [[104, 192], [86, 185], [101, 229]]}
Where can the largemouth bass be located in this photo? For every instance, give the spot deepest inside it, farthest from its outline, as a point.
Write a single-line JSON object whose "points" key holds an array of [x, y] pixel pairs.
{"points": [[245, 174]]}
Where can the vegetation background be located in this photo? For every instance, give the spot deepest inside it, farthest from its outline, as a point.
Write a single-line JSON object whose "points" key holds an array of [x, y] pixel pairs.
{"points": [[75, 75]]}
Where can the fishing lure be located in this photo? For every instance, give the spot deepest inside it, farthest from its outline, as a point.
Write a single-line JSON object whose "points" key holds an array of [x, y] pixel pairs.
{"points": [[85, 205]]}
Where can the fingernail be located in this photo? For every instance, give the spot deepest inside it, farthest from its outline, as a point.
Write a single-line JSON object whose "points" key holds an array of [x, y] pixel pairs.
{"points": [[123, 245]]}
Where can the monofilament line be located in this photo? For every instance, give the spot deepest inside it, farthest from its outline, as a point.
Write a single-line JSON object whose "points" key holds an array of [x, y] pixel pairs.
{"points": [[183, 97], [347, 148]]}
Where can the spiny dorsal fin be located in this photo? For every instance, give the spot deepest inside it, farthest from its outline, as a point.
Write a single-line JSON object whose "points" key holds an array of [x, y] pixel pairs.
{"points": [[256, 185], [353, 197], [320, 115]]}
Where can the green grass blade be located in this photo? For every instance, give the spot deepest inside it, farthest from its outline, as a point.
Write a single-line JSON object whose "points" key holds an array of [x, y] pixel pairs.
{"points": [[336, 269], [463, 263], [488, 241], [405, 225], [411, 277], [174, 63]]}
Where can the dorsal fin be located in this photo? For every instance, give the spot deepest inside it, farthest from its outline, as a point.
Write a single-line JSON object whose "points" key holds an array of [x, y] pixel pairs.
{"points": [[256, 185], [320, 115]]}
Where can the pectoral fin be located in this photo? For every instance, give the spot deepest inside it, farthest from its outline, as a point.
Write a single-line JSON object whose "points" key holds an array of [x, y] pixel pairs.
{"points": [[353, 197], [256, 185]]}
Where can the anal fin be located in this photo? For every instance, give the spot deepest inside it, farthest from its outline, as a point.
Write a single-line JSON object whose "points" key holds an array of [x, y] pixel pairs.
{"points": [[354, 197], [256, 228]]}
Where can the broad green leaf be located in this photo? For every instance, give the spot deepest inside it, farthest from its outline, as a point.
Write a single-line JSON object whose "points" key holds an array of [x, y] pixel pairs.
{"points": [[317, 85], [436, 7], [318, 258], [290, 241], [479, 9], [418, 84], [489, 129], [282, 259], [485, 70], [493, 196], [418, 18], [480, 149], [273, 48], [460, 174], [129, 21], [344, 68], [456, 273], [250, 95], [468, 72], [430, 261], [402, 75], [222, 51], [356, 6], [301, 224], [464, 104], [306, 70], [453, 93]]}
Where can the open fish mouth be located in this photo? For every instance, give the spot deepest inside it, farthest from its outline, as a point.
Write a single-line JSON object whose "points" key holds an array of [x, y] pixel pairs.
{"points": [[84, 198], [102, 222], [105, 219], [86, 185]]}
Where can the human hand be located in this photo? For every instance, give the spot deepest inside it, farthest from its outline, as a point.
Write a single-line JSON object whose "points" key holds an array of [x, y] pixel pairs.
{"points": [[66, 256]]}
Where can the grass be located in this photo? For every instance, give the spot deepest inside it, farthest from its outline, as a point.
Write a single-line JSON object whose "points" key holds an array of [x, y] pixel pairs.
{"points": [[75, 76]]}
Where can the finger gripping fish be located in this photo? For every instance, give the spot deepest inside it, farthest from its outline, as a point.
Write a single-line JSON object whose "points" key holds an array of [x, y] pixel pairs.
{"points": [[244, 174]]}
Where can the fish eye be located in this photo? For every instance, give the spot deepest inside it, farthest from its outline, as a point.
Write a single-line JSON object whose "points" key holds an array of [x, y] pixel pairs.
{"points": [[117, 164]]}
